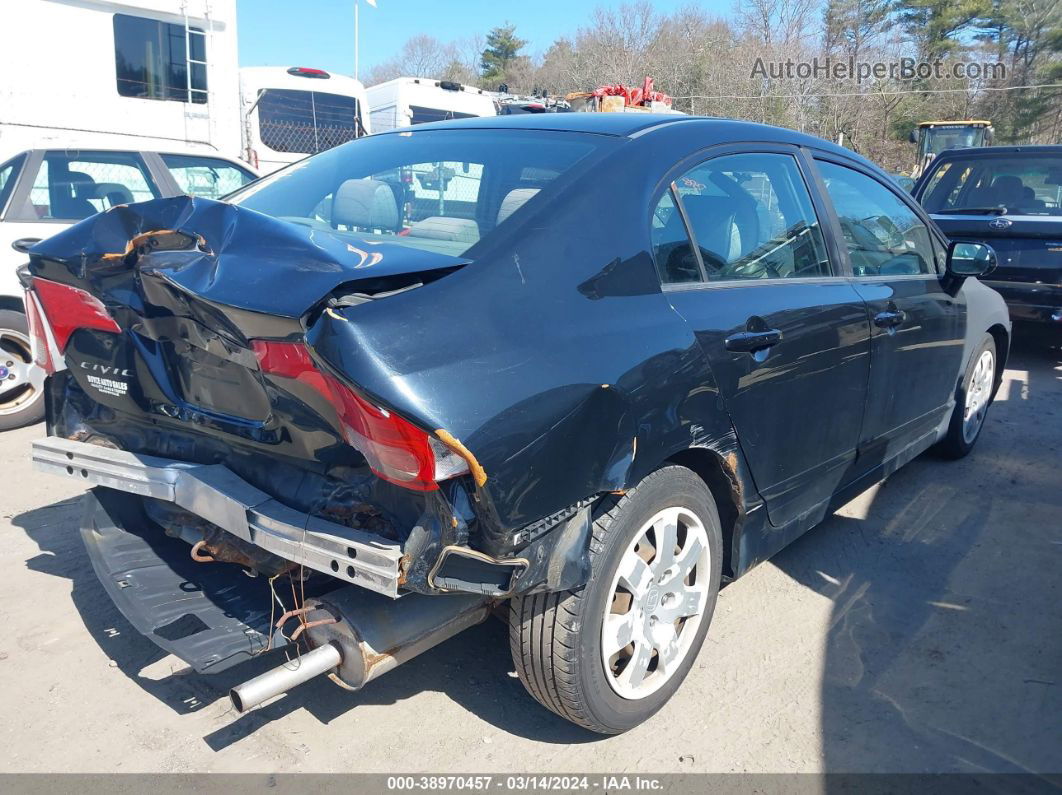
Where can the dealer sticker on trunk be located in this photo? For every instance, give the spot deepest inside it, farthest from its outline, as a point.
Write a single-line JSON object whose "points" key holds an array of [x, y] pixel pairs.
{"points": [[101, 383]]}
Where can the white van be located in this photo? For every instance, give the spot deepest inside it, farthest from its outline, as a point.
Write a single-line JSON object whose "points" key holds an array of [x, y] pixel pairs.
{"points": [[133, 75], [291, 112], [406, 101]]}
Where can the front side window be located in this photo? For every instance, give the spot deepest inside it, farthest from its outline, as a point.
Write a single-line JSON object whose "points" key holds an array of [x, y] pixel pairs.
{"points": [[72, 187], [883, 234], [437, 190], [208, 177], [159, 60], [750, 216], [306, 122]]}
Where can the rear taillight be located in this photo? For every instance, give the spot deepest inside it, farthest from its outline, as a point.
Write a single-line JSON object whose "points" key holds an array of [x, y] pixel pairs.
{"points": [[68, 309], [395, 449]]}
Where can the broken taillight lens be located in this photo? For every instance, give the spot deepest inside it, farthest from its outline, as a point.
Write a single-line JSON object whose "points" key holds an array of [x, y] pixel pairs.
{"points": [[68, 309], [395, 449]]}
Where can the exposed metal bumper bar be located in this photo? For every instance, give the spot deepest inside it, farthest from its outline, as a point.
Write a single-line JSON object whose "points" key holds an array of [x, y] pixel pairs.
{"points": [[218, 495]]}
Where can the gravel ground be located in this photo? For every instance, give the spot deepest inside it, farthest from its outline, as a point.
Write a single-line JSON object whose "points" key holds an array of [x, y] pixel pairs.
{"points": [[918, 629]]}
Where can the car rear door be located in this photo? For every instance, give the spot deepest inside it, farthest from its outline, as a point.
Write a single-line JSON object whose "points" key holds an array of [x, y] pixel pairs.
{"points": [[917, 326], [785, 333]]}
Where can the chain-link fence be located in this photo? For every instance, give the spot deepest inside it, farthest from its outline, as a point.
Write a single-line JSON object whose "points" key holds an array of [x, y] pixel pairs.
{"points": [[306, 122]]}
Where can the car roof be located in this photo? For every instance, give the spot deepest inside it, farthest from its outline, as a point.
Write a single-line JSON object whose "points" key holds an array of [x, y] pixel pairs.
{"points": [[712, 130]]}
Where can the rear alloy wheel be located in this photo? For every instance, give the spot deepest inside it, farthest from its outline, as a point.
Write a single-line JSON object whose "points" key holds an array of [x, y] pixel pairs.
{"points": [[21, 381], [611, 654], [656, 603], [972, 401]]}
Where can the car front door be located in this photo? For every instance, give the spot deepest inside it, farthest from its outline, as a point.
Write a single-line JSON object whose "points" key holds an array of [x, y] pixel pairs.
{"points": [[744, 261], [916, 325]]}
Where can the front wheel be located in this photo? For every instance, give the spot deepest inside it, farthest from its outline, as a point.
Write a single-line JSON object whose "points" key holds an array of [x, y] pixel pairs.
{"points": [[972, 401], [608, 656]]}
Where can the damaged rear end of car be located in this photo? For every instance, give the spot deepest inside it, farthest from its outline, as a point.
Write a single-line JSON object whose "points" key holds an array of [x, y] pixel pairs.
{"points": [[210, 381]]}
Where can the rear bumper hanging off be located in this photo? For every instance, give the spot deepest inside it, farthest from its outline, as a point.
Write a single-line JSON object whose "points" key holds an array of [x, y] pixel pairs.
{"points": [[218, 495]]}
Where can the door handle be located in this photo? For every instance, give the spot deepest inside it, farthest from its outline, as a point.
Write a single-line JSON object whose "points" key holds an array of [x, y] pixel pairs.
{"points": [[890, 318], [24, 244], [748, 341]]}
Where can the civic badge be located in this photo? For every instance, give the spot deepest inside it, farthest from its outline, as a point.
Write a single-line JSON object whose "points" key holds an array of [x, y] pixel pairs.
{"points": [[1000, 223]]}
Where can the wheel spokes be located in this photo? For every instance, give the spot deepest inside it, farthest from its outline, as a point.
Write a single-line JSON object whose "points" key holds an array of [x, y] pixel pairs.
{"points": [[618, 632], [635, 575], [665, 534], [634, 672]]}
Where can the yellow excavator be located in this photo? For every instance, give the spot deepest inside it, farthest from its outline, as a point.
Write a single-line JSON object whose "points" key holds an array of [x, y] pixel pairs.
{"points": [[933, 137]]}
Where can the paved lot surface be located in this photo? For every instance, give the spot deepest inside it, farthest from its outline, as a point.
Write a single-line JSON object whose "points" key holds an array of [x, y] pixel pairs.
{"points": [[918, 629]]}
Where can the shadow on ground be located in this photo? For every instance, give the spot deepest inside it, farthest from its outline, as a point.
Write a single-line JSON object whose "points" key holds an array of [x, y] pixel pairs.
{"points": [[944, 651]]}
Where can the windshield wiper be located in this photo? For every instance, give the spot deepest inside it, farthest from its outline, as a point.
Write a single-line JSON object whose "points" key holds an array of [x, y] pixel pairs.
{"points": [[973, 211]]}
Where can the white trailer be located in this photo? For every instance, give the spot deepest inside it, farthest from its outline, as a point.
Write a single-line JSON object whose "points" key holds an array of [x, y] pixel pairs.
{"points": [[145, 75], [290, 112], [406, 101]]}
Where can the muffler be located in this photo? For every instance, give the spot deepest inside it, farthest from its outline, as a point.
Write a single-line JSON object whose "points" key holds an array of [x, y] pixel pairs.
{"points": [[364, 635]]}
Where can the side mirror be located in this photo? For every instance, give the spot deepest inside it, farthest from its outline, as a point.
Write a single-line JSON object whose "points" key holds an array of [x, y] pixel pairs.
{"points": [[913, 137], [989, 135], [970, 259]]}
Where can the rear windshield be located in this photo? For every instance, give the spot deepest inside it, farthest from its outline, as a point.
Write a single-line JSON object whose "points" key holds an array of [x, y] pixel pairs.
{"points": [[305, 122], [1028, 184], [438, 190]]}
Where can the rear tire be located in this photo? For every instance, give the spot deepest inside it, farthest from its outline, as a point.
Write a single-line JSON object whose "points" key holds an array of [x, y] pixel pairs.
{"points": [[567, 646], [21, 381], [972, 401]]}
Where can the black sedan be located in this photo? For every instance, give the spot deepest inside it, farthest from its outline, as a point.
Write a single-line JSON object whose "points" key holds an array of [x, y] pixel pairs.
{"points": [[1011, 198], [590, 366]]}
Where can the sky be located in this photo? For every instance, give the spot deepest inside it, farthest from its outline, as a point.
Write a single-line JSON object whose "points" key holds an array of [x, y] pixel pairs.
{"points": [[320, 33]]}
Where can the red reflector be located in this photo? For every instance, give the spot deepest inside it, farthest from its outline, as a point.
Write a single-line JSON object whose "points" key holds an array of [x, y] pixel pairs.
{"points": [[68, 309], [395, 449], [38, 337]]}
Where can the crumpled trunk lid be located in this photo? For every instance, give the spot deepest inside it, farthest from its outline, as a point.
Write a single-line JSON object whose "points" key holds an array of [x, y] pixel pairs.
{"points": [[192, 284]]}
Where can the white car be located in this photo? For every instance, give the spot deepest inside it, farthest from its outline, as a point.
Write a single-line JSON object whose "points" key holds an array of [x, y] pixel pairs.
{"points": [[43, 191]]}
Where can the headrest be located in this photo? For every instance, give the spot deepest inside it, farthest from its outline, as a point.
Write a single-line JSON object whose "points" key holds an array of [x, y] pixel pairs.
{"points": [[114, 192], [1007, 182], [514, 200], [365, 203], [82, 183]]}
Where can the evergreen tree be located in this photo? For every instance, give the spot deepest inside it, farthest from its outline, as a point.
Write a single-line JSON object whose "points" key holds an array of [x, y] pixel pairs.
{"points": [[503, 48]]}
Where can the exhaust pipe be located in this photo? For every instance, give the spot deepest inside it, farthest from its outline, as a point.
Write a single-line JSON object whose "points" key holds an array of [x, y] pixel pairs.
{"points": [[284, 677], [364, 635]]}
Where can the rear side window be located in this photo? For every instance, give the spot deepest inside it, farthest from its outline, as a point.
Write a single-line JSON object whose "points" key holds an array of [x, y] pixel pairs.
{"points": [[159, 60], [306, 122], [208, 177], [883, 234], [750, 216], [75, 186]]}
